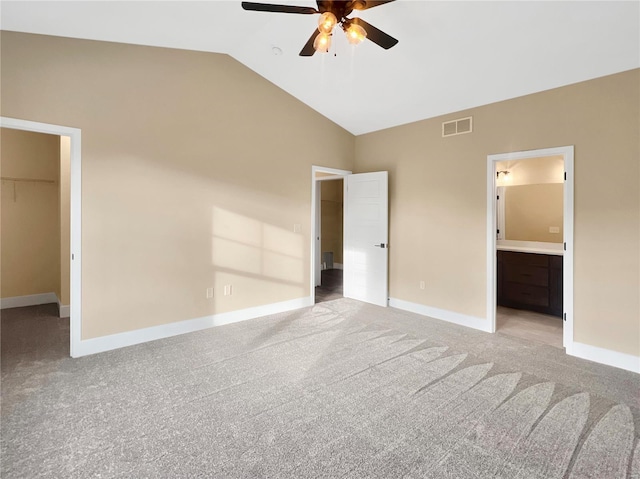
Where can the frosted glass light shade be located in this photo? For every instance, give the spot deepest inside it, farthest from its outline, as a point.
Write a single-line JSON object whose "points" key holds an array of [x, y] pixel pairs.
{"points": [[355, 34], [326, 22], [322, 43]]}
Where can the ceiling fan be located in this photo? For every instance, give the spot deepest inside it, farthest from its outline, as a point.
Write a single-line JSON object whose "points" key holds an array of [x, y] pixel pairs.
{"points": [[333, 13]]}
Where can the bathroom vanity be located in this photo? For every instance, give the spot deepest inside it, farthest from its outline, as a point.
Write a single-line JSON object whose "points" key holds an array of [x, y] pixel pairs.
{"points": [[530, 276]]}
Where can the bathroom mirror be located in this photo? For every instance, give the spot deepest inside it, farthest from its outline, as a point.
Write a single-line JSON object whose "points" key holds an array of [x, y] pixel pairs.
{"points": [[529, 200]]}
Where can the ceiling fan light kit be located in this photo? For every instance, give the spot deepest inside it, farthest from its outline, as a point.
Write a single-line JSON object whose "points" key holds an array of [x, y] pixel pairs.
{"points": [[333, 13]]}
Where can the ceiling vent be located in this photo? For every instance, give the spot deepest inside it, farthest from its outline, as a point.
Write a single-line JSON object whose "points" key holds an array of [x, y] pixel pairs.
{"points": [[457, 127]]}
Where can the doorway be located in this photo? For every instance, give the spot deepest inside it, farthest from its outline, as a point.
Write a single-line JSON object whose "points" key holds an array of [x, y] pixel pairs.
{"points": [[327, 246], [365, 233], [330, 232], [73, 256], [530, 263]]}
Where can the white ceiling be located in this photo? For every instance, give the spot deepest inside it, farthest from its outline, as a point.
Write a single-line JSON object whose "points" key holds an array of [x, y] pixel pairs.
{"points": [[451, 55]]}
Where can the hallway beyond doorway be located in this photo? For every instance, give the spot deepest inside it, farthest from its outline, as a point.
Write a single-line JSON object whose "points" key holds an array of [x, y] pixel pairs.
{"points": [[330, 286]]}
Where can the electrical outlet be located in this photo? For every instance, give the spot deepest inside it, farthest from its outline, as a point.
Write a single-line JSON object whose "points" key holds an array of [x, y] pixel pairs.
{"points": [[228, 290], [297, 228], [422, 285], [209, 293], [554, 229]]}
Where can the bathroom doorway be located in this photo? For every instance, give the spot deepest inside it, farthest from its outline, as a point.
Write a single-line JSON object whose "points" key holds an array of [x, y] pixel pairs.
{"points": [[530, 245]]}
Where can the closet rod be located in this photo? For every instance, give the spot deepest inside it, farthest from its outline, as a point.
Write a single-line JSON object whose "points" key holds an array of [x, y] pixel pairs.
{"points": [[34, 180]]}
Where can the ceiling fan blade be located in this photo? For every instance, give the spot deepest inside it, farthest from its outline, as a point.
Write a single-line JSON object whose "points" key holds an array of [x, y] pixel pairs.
{"points": [[370, 4], [308, 50], [268, 7], [376, 35]]}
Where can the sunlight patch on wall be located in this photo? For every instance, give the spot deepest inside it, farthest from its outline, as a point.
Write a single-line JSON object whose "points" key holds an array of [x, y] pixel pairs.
{"points": [[250, 247]]}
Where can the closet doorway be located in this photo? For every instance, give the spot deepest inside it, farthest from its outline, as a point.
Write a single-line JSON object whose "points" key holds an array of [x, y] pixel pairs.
{"points": [[68, 294]]}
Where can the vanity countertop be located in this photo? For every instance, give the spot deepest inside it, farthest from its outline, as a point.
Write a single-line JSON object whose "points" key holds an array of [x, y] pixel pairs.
{"points": [[530, 247]]}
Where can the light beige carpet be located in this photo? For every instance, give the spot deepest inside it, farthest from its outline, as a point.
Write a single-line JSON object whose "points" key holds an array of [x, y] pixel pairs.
{"points": [[342, 389]]}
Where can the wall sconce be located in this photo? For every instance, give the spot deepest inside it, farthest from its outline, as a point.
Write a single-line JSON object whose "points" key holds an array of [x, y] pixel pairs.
{"points": [[505, 175]]}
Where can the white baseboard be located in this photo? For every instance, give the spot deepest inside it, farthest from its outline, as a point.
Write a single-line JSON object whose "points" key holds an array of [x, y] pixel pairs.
{"points": [[64, 310], [323, 266], [34, 300], [29, 300], [609, 357], [129, 338], [445, 315]]}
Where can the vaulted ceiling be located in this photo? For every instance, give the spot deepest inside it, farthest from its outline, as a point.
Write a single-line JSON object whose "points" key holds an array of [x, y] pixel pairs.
{"points": [[451, 55]]}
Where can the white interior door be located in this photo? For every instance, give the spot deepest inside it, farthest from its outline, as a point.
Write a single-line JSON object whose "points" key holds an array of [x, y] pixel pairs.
{"points": [[366, 237]]}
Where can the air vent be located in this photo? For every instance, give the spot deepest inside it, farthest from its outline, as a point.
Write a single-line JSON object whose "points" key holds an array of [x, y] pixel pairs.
{"points": [[457, 127]]}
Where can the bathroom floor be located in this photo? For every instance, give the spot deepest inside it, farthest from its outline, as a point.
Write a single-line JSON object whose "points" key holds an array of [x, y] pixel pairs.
{"points": [[529, 325]]}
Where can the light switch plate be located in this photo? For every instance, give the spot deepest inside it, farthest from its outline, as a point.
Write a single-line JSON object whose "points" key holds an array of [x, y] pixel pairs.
{"points": [[554, 229]]}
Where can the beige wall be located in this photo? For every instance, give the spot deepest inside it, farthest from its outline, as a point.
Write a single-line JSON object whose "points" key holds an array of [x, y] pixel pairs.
{"points": [[65, 212], [29, 233], [331, 217], [531, 209], [183, 159], [438, 201]]}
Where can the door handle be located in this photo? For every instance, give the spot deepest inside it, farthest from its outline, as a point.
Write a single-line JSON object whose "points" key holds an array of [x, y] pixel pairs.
{"points": [[381, 245]]}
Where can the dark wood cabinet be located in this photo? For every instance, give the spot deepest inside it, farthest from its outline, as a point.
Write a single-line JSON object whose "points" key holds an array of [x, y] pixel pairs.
{"points": [[530, 281]]}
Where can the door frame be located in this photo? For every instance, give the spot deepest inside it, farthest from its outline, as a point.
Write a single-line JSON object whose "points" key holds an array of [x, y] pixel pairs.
{"points": [[75, 237], [334, 174], [568, 219]]}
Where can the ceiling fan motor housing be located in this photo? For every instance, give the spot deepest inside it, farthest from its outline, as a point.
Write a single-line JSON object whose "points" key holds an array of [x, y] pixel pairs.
{"points": [[339, 8]]}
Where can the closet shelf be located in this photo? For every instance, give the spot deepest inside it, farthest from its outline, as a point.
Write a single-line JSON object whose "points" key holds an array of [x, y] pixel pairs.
{"points": [[31, 180]]}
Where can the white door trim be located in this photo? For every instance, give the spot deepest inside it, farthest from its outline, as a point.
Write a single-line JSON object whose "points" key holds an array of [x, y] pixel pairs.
{"points": [[500, 193], [567, 278], [75, 333], [315, 217]]}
